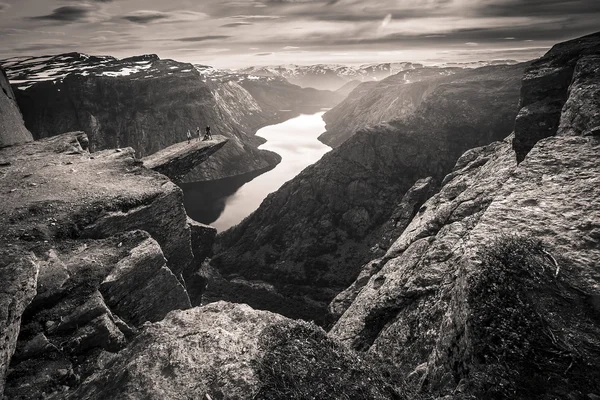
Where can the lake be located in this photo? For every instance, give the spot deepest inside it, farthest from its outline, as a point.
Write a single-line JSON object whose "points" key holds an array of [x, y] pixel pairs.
{"points": [[226, 202]]}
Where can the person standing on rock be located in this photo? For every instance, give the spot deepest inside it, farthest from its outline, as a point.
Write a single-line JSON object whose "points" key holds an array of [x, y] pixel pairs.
{"points": [[189, 136], [198, 132], [208, 135]]}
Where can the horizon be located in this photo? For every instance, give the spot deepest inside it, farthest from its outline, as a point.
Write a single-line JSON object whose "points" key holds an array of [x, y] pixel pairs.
{"points": [[234, 34]]}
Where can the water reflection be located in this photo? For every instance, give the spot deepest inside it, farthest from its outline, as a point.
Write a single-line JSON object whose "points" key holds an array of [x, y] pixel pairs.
{"points": [[225, 202]]}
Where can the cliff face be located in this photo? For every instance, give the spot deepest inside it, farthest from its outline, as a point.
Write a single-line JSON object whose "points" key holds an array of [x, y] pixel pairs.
{"points": [[12, 130], [546, 88], [94, 245], [491, 291], [308, 240]]}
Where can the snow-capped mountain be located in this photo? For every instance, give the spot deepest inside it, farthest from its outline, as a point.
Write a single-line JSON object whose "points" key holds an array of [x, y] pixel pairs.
{"points": [[329, 76]]}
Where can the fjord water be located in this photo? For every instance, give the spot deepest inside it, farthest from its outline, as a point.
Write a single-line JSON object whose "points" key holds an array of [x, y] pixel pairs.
{"points": [[226, 202]]}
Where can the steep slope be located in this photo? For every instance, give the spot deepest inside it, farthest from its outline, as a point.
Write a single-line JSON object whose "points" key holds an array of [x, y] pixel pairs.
{"points": [[542, 108], [12, 130], [491, 291], [348, 88], [395, 97], [308, 240]]}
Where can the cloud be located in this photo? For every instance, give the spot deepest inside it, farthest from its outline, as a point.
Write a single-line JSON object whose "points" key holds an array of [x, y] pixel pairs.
{"points": [[235, 24], [255, 17], [67, 14], [202, 38], [153, 16], [4, 7], [44, 46], [17, 31], [538, 8]]}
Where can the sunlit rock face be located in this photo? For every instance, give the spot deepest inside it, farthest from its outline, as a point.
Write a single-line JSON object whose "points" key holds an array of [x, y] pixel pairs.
{"points": [[394, 97], [308, 241], [492, 288]]}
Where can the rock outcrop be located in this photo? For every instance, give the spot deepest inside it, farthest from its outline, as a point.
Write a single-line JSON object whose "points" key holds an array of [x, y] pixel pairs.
{"points": [[12, 130], [307, 241], [177, 160], [491, 291], [230, 351], [94, 246]]}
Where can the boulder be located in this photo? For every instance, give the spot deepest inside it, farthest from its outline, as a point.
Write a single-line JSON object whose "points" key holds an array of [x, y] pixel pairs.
{"points": [[230, 351]]}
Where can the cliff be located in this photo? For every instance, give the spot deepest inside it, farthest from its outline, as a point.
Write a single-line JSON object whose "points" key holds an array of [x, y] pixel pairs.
{"points": [[177, 160], [308, 240], [12, 130], [94, 245], [491, 291]]}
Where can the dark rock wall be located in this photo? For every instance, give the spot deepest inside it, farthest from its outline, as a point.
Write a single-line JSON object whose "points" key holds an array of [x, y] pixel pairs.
{"points": [[12, 129], [546, 87]]}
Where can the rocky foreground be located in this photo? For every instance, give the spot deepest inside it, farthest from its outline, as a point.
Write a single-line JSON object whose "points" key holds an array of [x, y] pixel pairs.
{"points": [[93, 246]]}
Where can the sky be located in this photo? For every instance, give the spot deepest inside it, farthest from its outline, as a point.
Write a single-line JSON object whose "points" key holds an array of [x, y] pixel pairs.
{"points": [[239, 33]]}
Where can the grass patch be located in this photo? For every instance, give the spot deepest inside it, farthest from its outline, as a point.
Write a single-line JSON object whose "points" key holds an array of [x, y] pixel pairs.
{"points": [[520, 349], [301, 362]]}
